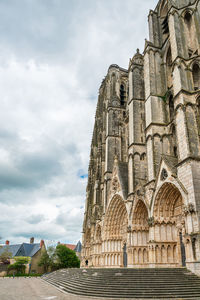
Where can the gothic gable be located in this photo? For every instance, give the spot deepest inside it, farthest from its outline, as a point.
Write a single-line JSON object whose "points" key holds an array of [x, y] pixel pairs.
{"points": [[167, 169], [119, 180]]}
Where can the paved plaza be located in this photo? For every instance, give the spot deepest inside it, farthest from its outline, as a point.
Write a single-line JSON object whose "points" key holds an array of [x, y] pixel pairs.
{"points": [[35, 289], [31, 289]]}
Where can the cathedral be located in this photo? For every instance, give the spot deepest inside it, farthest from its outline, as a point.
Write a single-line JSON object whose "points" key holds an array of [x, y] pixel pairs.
{"points": [[143, 193]]}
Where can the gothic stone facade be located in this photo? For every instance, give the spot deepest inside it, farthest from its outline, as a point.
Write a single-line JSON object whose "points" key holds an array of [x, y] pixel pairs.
{"points": [[143, 192]]}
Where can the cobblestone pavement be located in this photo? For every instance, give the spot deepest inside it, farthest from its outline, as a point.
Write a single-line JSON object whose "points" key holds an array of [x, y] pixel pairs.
{"points": [[35, 289]]}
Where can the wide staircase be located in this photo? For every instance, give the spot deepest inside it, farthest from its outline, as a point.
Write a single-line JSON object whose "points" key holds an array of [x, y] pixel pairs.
{"points": [[128, 283]]}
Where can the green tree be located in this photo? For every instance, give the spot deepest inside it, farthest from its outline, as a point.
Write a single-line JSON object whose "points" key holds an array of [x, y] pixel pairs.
{"points": [[19, 265], [5, 255], [51, 252], [66, 258], [47, 259]]}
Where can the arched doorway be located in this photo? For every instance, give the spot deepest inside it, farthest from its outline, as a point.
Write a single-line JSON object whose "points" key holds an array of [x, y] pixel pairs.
{"points": [[139, 236], [169, 227], [115, 232]]}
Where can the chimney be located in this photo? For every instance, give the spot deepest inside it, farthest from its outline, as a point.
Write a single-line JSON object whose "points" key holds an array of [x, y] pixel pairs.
{"points": [[32, 240], [41, 243], [7, 242]]}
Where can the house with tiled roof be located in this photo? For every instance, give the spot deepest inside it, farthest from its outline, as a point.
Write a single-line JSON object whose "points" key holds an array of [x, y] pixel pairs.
{"points": [[31, 250], [70, 246], [76, 248]]}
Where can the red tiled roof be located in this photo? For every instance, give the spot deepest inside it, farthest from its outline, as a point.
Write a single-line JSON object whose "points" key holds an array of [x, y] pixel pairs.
{"points": [[70, 246]]}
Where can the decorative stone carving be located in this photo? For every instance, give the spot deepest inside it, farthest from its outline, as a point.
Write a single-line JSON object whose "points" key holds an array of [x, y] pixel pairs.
{"points": [[151, 221], [164, 174], [98, 212], [129, 228], [115, 101], [189, 209], [115, 185]]}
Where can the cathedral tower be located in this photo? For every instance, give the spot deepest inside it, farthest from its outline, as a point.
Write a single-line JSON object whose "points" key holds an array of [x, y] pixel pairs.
{"points": [[143, 193]]}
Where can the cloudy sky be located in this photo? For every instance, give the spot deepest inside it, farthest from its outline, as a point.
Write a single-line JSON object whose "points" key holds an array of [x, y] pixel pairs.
{"points": [[53, 57]]}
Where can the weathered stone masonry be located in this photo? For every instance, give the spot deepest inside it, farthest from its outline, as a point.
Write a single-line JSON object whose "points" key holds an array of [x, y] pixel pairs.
{"points": [[143, 193]]}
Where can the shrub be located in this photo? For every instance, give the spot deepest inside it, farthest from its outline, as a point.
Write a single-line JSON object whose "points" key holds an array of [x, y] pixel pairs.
{"points": [[19, 265]]}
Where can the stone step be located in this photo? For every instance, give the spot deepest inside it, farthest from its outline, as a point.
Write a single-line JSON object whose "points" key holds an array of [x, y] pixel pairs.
{"points": [[184, 295], [118, 279], [133, 289], [128, 292], [139, 283], [123, 276], [129, 270], [133, 283], [136, 281], [128, 274], [129, 289]]}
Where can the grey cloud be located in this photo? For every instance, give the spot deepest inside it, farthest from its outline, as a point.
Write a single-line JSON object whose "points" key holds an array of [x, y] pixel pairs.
{"points": [[32, 171], [34, 219], [7, 135], [41, 235], [71, 222], [13, 179], [40, 165]]}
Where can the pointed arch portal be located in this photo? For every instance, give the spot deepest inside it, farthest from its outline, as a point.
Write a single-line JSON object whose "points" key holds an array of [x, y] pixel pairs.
{"points": [[169, 227], [139, 236], [115, 233]]}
